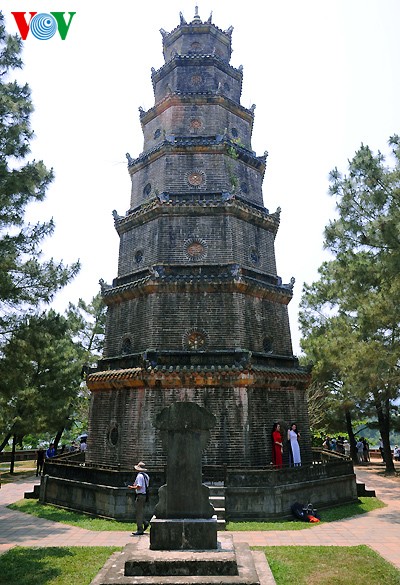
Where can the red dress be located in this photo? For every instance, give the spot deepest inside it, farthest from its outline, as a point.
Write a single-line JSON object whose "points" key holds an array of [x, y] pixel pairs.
{"points": [[277, 449]]}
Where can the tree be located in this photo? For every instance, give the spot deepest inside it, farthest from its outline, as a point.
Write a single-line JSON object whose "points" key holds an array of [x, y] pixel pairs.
{"points": [[353, 310], [39, 377], [25, 279]]}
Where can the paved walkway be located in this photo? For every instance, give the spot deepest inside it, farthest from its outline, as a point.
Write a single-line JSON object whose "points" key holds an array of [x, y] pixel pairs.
{"points": [[379, 529]]}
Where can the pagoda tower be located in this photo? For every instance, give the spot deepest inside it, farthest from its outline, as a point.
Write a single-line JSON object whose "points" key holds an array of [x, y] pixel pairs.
{"points": [[197, 311]]}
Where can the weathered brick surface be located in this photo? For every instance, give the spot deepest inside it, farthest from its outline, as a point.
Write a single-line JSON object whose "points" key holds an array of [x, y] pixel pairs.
{"points": [[227, 239], [242, 436], [196, 120]]}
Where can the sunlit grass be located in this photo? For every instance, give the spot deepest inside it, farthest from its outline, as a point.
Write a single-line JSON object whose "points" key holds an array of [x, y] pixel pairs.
{"points": [[53, 566], [55, 514], [329, 565], [363, 506]]}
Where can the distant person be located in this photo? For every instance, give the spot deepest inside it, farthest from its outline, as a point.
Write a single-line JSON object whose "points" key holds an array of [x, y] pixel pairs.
{"points": [[293, 438], [366, 457], [396, 453], [333, 444], [381, 449], [327, 443], [141, 486], [340, 445], [277, 446], [346, 446], [40, 456], [83, 445], [360, 450], [51, 451]]}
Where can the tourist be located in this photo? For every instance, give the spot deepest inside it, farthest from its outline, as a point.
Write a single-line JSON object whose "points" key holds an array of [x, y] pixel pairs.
{"points": [[333, 444], [327, 443], [40, 461], [365, 451], [141, 485], [396, 453], [381, 449], [83, 446], [346, 446], [360, 450], [277, 446], [294, 452], [340, 445], [51, 452]]}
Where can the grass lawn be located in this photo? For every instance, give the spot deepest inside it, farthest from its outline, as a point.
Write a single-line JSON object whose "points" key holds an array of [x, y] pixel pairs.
{"points": [[329, 565], [53, 565], [49, 512], [330, 515]]}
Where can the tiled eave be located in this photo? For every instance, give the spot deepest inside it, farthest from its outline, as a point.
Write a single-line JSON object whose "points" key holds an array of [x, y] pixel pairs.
{"points": [[198, 204], [193, 98], [197, 61], [187, 280], [195, 145], [200, 376]]}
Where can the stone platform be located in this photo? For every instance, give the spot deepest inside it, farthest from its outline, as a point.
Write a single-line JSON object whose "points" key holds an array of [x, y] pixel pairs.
{"points": [[228, 565]]}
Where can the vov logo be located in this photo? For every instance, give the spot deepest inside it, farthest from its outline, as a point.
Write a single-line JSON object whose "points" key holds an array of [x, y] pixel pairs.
{"points": [[44, 25]]}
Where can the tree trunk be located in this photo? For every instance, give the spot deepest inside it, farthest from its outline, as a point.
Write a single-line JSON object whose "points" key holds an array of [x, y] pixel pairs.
{"points": [[5, 441], [57, 438], [12, 462], [352, 441], [383, 412]]}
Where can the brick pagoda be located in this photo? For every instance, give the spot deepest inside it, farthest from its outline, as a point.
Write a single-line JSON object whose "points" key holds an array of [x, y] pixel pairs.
{"points": [[197, 311]]}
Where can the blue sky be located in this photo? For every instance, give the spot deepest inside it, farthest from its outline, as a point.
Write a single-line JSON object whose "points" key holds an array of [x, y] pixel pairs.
{"points": [[324, 75]]}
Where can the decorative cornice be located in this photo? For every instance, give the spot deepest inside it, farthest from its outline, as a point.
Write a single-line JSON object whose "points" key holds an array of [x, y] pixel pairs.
{"points": [[197, 60], [198, 203], [199, 376], [219, 144], [183, 278], [194, 98]]}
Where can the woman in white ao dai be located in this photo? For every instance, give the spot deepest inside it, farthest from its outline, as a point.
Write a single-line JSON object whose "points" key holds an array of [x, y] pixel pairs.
{"points": [[293, 438]]}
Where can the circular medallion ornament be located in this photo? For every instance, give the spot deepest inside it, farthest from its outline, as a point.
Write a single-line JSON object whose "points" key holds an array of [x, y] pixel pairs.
{"points": [[195, 249], [196, 178], [195, 124], [195, 339], [196, 80], [147, 189], [195, 46]]}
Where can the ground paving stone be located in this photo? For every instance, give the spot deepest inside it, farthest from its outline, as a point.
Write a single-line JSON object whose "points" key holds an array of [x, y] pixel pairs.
{"points": [[380, 529]]}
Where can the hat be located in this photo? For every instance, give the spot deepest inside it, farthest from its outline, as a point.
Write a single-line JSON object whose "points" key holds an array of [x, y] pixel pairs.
{"points": [[141, 466]]}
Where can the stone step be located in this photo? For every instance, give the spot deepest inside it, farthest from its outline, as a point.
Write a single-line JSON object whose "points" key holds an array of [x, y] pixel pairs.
{"points": [[217, 501], [362, 491]]}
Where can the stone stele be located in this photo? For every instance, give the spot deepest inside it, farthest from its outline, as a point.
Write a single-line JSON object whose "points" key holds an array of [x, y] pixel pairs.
{"points": [[184, 517]]}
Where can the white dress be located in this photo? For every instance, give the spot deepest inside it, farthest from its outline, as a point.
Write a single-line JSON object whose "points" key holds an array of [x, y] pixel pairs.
{"points": [[294, 445]]}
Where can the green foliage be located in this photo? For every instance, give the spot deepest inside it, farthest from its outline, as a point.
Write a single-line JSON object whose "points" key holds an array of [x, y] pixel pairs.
{"points": [[39, 376], [25, 279], [328, 565], [350, 317], [53, 565]]}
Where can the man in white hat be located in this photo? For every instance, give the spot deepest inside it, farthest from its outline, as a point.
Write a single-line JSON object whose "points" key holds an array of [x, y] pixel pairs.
{"points": [[141, 485]]}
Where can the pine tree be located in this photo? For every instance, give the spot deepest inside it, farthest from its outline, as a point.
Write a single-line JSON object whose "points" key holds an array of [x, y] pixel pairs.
{"points": [[351, 315], [26, 280]]}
